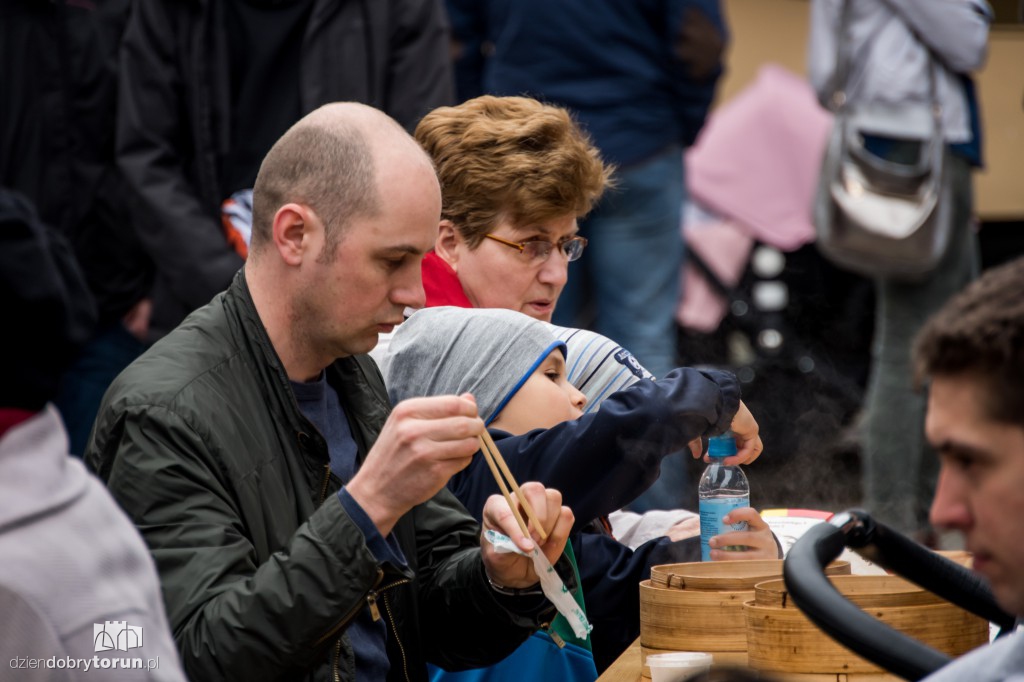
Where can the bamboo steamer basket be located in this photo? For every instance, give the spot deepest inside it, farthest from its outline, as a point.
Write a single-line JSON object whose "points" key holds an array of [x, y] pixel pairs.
{"points": [[962, 557], [783, 642], [699, 607]]}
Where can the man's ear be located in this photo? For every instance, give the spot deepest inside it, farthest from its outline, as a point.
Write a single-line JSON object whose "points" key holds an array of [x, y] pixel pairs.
{"points": [[291, 231], [449, 243]]}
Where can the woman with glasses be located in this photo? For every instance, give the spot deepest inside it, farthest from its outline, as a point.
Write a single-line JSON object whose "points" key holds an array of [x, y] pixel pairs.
{"points": [[515, 177]]}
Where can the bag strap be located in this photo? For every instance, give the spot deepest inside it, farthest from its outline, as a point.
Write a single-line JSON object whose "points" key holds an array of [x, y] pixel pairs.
{"points": [[844, 58]]}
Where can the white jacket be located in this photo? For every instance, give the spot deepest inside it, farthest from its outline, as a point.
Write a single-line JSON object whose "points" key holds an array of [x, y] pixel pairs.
{"points": [[889, 62], [1001, 661], [76, 579]]}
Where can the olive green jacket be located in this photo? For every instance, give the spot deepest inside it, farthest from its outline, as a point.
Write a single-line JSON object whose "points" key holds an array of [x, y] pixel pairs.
{"points": [[202, 443]]}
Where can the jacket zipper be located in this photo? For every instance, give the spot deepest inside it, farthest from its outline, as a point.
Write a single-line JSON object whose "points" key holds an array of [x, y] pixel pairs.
{"points": [[371, 601], [327, 479], [327, 465], [394, 628], [337, 661], [351, 614], [555, 637]]}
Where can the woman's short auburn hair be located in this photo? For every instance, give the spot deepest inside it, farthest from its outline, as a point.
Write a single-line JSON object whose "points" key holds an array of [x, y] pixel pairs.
{"points": [[510, 158]]}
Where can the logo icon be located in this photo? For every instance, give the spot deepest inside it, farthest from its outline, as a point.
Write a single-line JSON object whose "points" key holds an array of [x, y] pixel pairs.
{"points": [[116, 635], [626, 359]]}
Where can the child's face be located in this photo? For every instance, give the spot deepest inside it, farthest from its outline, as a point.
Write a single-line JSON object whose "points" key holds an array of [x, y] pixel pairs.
{"points": [[546, 399]]}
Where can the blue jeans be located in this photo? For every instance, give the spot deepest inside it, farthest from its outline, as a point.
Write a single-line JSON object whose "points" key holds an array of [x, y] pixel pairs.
{"points": [[631, 270], [631, 266], [83, 385]]}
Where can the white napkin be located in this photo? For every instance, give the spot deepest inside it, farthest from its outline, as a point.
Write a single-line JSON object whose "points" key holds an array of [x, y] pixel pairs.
{"points": [[550, 583]]}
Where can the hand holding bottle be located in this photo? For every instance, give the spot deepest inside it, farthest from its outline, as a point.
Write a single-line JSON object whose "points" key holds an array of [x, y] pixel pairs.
{"points": [[748, 441], [756, 542]]}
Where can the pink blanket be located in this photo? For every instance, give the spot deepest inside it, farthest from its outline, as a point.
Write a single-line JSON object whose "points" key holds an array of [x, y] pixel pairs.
{"points": [[754, 166]]}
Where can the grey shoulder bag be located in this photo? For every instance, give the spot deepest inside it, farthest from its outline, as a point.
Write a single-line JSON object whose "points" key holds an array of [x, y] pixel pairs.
{"points": [[875, 213]]}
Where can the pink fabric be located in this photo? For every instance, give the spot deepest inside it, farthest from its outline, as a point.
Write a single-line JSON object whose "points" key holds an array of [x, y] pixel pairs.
{"points": [[725, 248], [757, 160]]}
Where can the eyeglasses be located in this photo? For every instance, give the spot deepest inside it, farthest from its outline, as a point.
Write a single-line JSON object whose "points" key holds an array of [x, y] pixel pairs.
{"points": [[539, 250]]}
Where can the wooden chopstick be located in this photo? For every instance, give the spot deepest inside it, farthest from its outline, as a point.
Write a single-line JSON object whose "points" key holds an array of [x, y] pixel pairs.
{"points": [[504, 488], [499, 468]]}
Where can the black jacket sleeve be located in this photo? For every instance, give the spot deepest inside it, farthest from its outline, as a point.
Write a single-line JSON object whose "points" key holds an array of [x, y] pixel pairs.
{"points": [[419, 74], [604, 460]]}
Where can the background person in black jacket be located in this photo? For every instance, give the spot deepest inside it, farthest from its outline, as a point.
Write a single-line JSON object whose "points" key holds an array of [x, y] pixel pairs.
{"points": [[58, 93], [208, 86]]}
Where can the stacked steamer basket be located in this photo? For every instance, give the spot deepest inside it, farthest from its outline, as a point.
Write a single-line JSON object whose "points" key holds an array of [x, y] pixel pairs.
{"points": [[783, 642], [699, 607]]}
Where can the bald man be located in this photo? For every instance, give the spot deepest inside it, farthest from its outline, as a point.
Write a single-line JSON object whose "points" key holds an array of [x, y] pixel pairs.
{"points": [[300, 526]]}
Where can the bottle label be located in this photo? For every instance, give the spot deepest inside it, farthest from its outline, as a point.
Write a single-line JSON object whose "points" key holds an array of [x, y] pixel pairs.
{"points": [[712, 510]]}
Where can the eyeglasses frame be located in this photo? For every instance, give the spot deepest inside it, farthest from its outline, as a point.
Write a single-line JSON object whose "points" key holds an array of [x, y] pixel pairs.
{"points": [[521, 246]]}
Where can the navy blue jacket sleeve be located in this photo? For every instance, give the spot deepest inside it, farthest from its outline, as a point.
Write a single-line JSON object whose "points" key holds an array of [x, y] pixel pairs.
{"points": [[604, 460], [610, 574]]}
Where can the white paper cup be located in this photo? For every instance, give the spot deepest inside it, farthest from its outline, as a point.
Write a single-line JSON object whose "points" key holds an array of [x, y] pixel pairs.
{"points": [[678, 666]]}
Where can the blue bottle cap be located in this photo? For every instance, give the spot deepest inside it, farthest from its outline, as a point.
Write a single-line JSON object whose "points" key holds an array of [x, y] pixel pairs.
{"points": [[722, 446]]}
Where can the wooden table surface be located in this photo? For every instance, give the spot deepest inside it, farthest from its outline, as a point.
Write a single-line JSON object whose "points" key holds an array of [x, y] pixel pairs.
{"points": [[626, 668]]}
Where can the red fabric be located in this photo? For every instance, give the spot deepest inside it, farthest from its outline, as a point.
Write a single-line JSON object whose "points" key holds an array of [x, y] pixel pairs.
{"points": [[12, 416], [234, 237], [441, 284], [607, 525]]}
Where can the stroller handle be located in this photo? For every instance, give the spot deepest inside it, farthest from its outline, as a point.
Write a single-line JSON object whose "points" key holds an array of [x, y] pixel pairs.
{"points": [[814, 594]]}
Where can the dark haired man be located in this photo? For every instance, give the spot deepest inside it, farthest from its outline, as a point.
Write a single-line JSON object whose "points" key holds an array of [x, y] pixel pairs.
{"points": [[972, 352]]}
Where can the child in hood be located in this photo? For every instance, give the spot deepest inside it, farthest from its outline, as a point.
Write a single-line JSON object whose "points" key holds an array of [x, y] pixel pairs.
{"points": [[516, 370]]}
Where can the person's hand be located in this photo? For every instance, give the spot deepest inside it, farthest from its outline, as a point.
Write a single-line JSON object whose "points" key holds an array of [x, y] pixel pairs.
{"points": [[513, 570], [748, 442], [699, 44], [136, 320], [424, 442], [757, 542], [685, 529]]}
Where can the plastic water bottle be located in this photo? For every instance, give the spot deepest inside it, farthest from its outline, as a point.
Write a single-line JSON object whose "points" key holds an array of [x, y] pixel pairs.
{"points": [[722, 488]]}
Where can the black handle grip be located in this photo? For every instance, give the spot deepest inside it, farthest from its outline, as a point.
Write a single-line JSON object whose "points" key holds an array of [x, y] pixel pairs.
{"points": [[821, 602], [933, 572], [815, 595]]}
